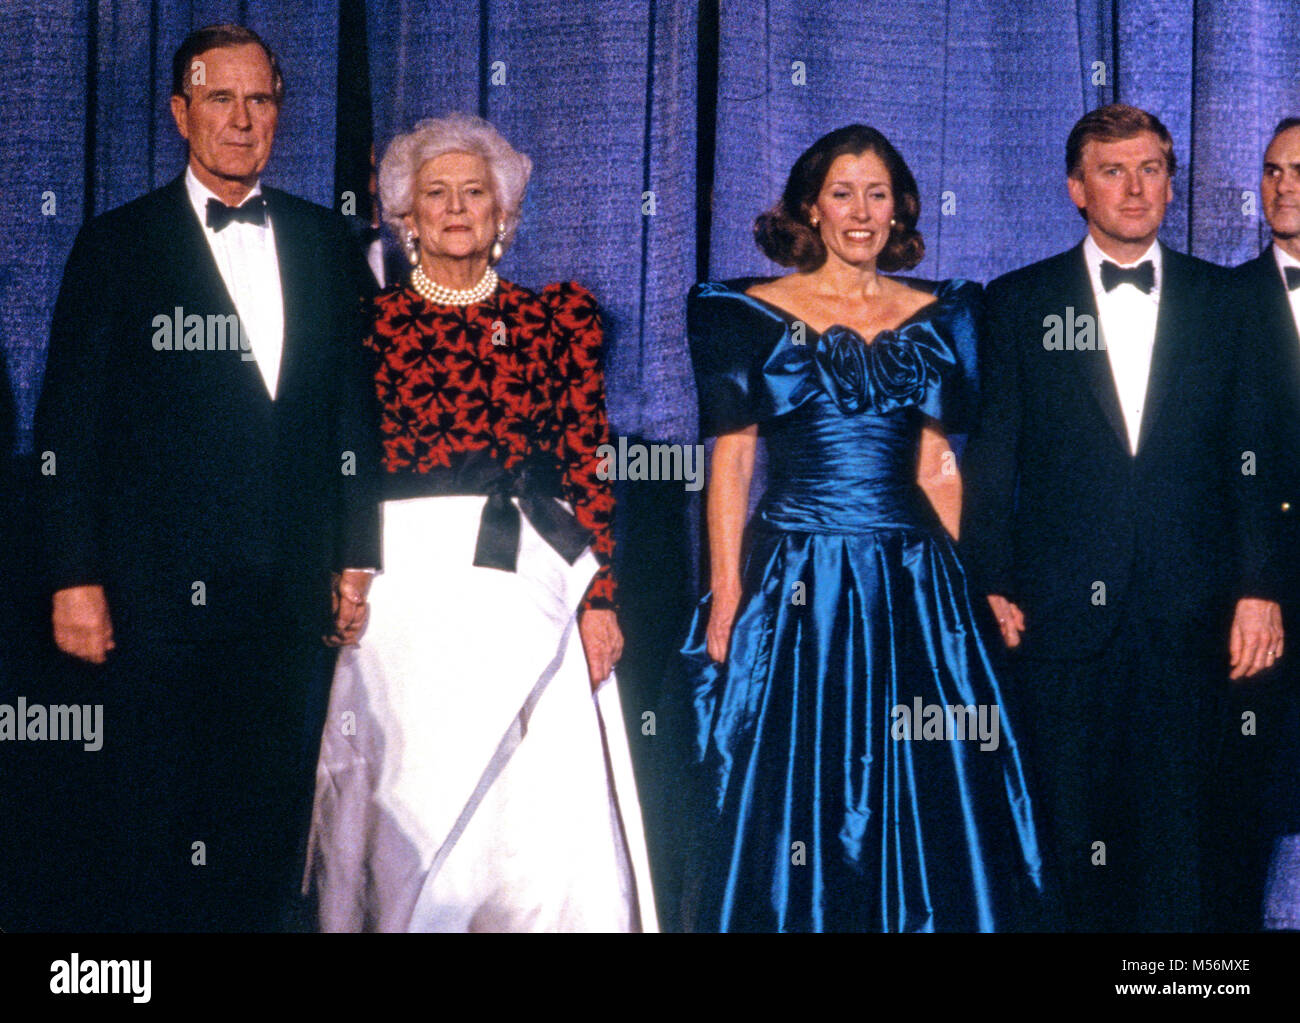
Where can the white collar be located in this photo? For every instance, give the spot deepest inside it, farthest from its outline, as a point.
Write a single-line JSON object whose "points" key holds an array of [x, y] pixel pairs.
{"points": [[1284, 259], [200, 193]]}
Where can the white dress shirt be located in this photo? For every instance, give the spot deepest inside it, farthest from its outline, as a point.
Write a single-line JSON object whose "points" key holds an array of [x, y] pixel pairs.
{"points": [[1128, 328], [1285, 259], [245, 255]]}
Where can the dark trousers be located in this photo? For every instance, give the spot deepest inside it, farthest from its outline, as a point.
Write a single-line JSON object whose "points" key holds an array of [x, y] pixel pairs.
{"points": [[1257, 789], [209, 751], [1122, 746], [52, 800]]}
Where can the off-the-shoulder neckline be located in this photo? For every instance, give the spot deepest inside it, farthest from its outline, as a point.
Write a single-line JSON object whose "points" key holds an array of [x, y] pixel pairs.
{"points": [[941, 293]]}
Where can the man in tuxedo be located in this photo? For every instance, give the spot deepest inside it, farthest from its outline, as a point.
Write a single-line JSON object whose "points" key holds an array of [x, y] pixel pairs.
{"points": [[209, 443], [1265, 770], [1113, 518]]}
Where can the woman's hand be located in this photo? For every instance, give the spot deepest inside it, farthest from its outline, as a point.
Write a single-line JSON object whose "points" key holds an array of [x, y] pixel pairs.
{"points": [[723, 604], [602, 642], [938, 477]]}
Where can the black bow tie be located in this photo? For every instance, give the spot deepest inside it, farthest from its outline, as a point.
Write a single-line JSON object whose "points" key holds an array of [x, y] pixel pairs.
{"points": [[1142, 276], [1292, 277], [252, 212]]}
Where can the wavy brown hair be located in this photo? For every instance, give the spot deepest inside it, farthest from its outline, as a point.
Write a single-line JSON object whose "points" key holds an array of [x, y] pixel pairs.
{"points": [[785, 233]]}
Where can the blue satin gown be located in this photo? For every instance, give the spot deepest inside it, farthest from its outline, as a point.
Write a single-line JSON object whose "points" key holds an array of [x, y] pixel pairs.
{"points": [[826, 806]]}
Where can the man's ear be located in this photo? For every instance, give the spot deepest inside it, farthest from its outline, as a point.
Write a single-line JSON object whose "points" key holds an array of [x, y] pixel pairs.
{"points": [[180, 114], [1074, 186]]}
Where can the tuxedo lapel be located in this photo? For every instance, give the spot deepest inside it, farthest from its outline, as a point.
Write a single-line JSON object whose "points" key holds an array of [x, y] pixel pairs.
{"points": [[196, 275], [1094, 365], [1176, 298], [293, 253], [1275, 310]]}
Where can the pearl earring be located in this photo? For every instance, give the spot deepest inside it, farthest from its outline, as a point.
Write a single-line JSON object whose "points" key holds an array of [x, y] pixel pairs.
{"points": [[498, 246], [412, 248]]}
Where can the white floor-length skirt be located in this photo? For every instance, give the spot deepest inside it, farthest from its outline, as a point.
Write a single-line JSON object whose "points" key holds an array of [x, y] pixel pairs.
{"points": [[468, 779]]}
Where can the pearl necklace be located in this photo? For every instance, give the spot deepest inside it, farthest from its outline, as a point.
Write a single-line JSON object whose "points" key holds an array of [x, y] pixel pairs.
{"points": [[433, 292]]}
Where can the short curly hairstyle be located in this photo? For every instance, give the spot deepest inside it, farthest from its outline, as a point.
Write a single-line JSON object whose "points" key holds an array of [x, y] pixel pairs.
{"points": [[785, 232], [455, 133]]}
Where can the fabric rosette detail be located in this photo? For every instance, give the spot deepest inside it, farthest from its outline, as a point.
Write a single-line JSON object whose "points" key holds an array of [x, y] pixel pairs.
{"points": [[899, 369]]}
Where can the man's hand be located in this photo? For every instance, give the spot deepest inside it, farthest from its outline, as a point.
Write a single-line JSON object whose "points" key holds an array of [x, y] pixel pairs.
{"points": [[1255, 642], [351, 611], [602, 642], [1011, 622], [82, 626]]}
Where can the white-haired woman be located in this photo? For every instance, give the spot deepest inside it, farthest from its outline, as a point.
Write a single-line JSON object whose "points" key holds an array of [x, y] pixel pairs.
{"points": [[466, 780]]}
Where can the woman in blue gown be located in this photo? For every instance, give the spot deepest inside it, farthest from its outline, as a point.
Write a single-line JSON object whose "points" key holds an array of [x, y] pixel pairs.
{"points": [[859, 769]]}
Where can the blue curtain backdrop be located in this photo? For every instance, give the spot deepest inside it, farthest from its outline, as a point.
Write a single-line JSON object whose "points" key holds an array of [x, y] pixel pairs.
{"points": [[694, 110]]}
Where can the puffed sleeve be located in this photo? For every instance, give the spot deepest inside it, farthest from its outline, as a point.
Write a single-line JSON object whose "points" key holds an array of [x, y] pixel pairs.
{"points": [[959, 312], [580, 404], [928, 364], [750, 365]]}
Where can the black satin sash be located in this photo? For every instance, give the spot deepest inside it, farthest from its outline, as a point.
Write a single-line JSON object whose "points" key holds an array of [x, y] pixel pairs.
{"points": [[536, 485]]}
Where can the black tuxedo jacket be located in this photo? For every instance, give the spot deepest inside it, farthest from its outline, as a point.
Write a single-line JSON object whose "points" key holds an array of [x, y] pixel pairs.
{"points": [[1272, 325], [1054, 502], [164, 469]]}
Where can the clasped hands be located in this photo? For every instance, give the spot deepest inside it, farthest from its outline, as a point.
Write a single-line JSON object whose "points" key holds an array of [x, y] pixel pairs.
{"points": [[349, 591], [1255, 641]]}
